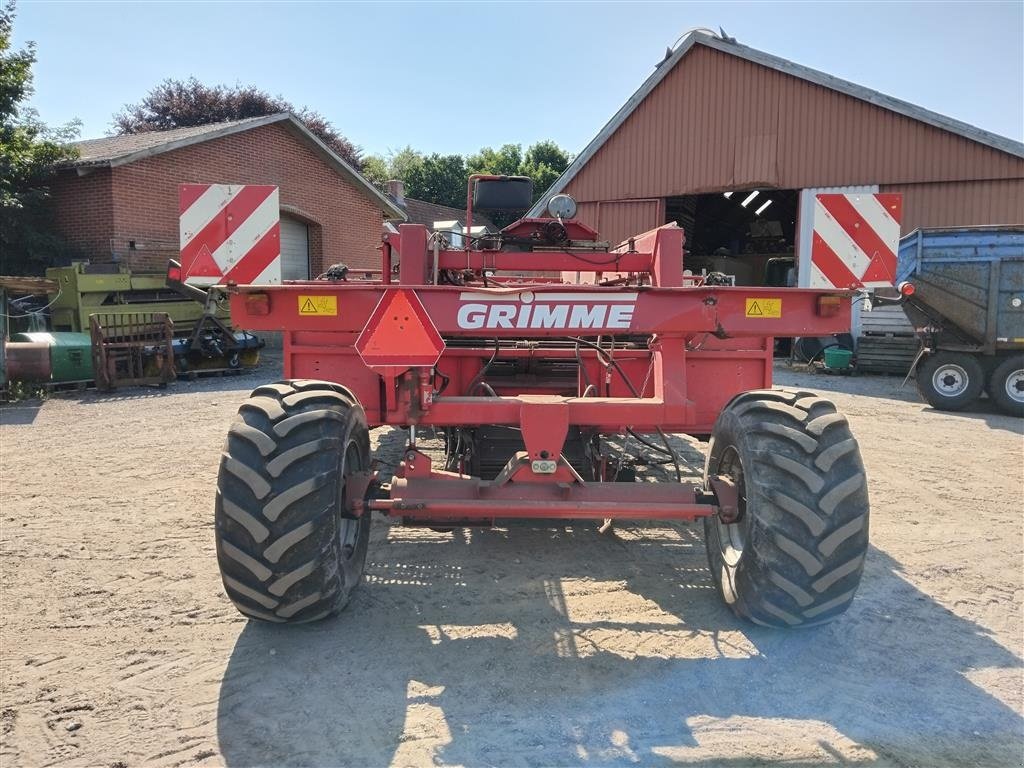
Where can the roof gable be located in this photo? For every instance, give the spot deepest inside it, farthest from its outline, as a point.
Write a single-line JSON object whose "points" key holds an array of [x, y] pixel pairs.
{"points": [[699, 39], [114, 151]]}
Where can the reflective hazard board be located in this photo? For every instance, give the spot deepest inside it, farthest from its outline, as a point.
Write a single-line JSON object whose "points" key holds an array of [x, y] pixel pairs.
{"points": [[855, 240], [229, 233]]}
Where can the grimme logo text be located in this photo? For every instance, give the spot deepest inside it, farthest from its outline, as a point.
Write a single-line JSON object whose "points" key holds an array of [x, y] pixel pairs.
{"points": [[567, 311]]}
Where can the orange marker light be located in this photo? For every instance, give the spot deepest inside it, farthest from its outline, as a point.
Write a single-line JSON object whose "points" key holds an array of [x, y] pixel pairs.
{"points": [[257, 303], [829, 306]]}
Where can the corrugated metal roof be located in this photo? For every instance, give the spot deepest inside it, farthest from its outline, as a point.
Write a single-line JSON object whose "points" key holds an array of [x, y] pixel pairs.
{"points": [[755, 155], [114, 151]]}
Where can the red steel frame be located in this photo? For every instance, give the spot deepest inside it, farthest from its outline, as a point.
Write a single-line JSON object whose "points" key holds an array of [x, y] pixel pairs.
{"points": [[703, 347]]}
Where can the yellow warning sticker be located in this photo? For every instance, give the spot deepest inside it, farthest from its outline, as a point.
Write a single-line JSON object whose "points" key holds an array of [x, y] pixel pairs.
{"points": [[318, 305], [764, 307]]}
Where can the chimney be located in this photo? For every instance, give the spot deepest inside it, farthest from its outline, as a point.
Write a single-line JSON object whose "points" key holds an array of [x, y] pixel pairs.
{"points": [[396, 189]]}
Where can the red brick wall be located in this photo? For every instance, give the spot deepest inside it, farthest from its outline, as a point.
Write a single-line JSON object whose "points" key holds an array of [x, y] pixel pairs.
{"points": [[145, 197], [84, 210]]}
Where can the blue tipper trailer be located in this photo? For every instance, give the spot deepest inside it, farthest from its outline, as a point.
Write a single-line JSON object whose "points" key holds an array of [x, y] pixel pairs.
{"points": [[967, 308]]}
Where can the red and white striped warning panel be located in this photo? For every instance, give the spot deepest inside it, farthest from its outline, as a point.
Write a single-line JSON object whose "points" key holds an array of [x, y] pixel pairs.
{"points": [[230, 233], [856, 238]]}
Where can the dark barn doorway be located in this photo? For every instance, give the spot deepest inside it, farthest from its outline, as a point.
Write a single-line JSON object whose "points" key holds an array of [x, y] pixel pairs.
{"points": [[749, 234]]}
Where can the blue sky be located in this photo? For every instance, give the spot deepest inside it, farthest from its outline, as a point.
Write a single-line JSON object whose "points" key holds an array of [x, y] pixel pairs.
{"points": [[452, 77]]}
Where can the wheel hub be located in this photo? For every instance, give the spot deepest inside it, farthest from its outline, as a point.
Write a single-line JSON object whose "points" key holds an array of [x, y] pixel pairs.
{"points": [[733, 528], [950, 380], [1015, 386]]}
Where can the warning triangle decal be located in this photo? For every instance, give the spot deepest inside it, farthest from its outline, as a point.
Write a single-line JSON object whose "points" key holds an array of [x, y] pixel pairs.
{"points": [[754, 310], [400, 333], [203, 265], [308, 308]]}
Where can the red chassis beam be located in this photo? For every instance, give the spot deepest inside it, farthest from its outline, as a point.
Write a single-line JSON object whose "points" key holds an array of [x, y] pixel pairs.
{"points": [[420, 493], [720, 310], [673, 316]]}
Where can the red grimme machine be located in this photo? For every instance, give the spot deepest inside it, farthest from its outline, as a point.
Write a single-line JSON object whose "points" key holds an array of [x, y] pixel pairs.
{"points": [[541, 356]]}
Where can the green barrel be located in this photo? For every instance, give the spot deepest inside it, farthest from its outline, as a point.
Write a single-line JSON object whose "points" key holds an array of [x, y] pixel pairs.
{"points": [[70, 353]]}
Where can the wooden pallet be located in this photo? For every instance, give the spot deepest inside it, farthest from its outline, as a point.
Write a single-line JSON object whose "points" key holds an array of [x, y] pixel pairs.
{"points": [[886, 354], [885, 320]]}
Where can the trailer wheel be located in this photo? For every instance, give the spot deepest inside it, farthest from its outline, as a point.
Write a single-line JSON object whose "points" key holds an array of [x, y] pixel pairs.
{"points": [[286, 551], [1006, 386], [795, 553], [950, 381]]}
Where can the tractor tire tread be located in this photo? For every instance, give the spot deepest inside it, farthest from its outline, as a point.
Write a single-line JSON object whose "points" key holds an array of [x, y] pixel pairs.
{"points": [[277, 515], [808, 499]]}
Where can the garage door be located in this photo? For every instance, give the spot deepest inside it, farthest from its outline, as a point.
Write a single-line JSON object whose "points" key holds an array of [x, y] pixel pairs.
{"points": [[294, 249]]}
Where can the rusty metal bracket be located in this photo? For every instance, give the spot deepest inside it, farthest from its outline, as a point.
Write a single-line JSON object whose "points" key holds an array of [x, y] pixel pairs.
{"points": [[727, 498], [360, 487]]}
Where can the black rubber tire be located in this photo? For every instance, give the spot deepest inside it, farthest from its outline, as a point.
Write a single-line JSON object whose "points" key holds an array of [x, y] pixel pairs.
{"points": [[965, 365], [796, 554], [285, 551], [1007, 373]]}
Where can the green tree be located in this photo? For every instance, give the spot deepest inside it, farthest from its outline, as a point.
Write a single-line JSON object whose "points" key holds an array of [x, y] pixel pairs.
{"points": [[543, 162], [403, 163], [438, 179], [377, 171], [442, 178], [180, 103], [505, 161], [29, 151], [547, 153]]}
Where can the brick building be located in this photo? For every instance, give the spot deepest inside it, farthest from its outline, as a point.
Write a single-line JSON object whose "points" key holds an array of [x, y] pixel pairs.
{"points": [[119, 200]]}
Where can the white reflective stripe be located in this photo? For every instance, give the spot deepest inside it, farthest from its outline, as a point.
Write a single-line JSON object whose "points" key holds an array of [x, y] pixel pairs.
{"points": [[204, 209], [878, 218], [239, 242], [832, 232], [271, 275], [818, 279], [201, 281]]}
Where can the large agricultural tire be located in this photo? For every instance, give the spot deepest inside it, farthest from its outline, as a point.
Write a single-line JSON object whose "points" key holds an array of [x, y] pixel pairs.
{"points": [[795, 554], [1006, 385], [950, 381], [285, 550]]}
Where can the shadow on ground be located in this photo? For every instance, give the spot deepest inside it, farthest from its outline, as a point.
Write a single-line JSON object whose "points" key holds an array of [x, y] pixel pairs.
{"points": [[466, 648], [892, 388], [21, 414]]}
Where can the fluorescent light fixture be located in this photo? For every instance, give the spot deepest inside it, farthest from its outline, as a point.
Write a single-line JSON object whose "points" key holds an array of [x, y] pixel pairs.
{"points": [[727, 194], [750, 197], [764, 205]]}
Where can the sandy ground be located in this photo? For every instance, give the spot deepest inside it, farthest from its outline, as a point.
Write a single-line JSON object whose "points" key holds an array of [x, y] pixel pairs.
{"points": [[544, 646]]}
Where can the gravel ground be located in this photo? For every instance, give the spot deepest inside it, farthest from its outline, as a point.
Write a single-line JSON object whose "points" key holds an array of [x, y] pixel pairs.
{"points": [[522, 646]]}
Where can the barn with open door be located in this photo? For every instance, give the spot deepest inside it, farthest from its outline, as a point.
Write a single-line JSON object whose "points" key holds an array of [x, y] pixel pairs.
{"points": [[734, 144]]}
